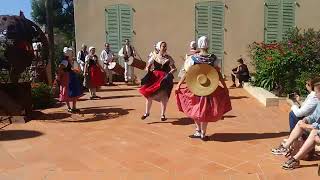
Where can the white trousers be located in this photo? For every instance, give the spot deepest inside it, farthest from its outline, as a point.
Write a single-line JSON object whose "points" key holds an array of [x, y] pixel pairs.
{"points": [[108, 73], [81, 67], [128, 72]]}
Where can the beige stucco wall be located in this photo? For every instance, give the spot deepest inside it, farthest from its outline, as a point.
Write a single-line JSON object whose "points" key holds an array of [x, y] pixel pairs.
{"points": [[173, 22], [308, 14]]}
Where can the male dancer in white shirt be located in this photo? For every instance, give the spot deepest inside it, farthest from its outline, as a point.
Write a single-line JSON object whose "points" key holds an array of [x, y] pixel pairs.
{"points": [[81, 56], [106, 57], [126, 52]]}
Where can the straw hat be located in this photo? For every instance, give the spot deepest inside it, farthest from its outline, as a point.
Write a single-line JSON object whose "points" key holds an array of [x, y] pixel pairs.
{"points": [[202, 79]]}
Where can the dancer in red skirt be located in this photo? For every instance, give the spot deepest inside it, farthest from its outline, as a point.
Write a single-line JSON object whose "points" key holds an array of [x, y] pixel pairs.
{"points": [[203, 109], [93, 73], [158, 83]]}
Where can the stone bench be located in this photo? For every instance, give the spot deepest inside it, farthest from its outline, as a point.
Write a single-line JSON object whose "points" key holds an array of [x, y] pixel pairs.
{"points": [[265, 97]]}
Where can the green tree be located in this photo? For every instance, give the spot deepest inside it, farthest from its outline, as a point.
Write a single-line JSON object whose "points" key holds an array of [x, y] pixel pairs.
{"points": [[63, 18]]}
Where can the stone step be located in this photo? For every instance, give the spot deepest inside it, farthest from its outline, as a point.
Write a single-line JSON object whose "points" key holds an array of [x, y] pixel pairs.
{"points": [[265, 97]]}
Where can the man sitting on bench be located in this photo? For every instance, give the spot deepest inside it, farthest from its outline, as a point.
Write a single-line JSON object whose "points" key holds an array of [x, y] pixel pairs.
{"points": [[241, 72]]}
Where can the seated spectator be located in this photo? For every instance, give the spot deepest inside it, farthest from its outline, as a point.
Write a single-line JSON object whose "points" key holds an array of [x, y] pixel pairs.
{"points": [[308, 124], [308, 106], [308, 145], [241, 72]]}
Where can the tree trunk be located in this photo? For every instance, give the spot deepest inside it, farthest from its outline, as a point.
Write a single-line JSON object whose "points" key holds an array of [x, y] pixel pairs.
{"points": [[49, 7]]}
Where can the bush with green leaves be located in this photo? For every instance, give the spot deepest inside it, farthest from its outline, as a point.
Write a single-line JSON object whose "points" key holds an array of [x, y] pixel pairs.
{"points": [[42, 96], [285, 66]]}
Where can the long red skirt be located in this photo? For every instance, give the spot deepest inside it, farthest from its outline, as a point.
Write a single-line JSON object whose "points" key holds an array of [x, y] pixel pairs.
{"points": [[204, 108], [153, 83], [97, 77]]}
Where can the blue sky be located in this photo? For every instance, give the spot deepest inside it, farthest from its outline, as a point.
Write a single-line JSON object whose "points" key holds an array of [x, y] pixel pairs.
{"points": [[12, 7]]}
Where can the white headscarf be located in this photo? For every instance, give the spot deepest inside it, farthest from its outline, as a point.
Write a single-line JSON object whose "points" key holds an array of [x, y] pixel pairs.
{"points": [[158, 46], [68, 51], [90, 48], [203, 42], [193, 44]]}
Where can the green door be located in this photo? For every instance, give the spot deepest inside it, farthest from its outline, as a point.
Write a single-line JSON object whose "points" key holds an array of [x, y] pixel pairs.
{"points": [[210, 23]]}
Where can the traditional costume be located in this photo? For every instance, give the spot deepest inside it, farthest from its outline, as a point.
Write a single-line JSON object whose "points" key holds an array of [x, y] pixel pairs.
{"points": [[158, 83], [126, 52], [204, 100], [70, 86], [81, 57], [193, 50], [106, 57], [208, 108], [95, 75]]}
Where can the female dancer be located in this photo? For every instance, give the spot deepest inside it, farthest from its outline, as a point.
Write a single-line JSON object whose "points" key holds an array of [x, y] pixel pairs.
{"points": [[70, 87], [93, 72], [193, 50], [158, 83], [203, 109]]}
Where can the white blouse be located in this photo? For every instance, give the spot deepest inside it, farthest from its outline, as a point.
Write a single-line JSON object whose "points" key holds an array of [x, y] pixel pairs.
{"points": [[308, 106]]}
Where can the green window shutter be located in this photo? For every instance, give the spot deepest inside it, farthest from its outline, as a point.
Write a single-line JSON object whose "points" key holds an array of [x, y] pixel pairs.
{"points": [[202, 19], [112, 27], [210, 22], [288, 16], [272, 23], [217, 30], [125, 22]]}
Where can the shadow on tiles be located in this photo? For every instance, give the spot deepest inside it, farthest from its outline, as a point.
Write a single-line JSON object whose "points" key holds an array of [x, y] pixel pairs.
{"points": [[184, 121], [38, 115], [118, 97], [238, 97], [181, 121], [228, 116], [116, 90], [11, 135], [97, 114], [229, 137]]}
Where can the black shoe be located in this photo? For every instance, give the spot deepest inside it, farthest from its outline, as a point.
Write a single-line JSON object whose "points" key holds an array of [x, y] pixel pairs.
{"points": [[69, 110], [111, 84], [144, 116], [75, 110], [163, 118], [204, 137]]}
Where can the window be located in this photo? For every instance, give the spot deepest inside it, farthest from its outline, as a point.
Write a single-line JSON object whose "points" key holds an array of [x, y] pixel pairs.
{"points": [[279, 18]]}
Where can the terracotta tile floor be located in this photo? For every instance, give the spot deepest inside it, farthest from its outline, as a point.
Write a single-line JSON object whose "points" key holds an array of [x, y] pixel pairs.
{"points": [[109, 141]]}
